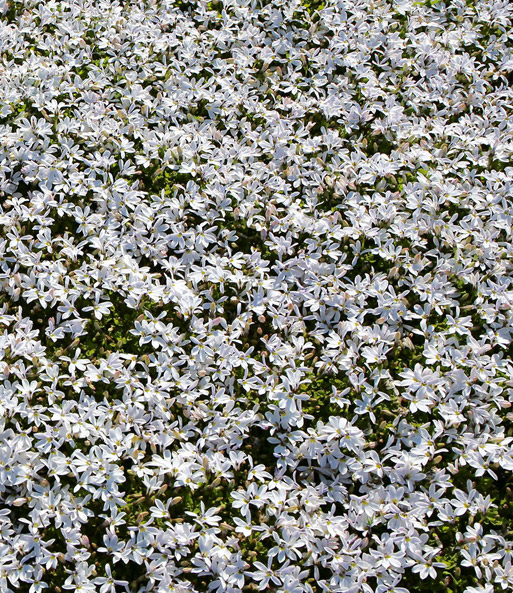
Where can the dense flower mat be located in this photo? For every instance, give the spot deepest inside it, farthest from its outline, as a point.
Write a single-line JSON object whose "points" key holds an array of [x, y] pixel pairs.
{"points": [[256, 296]]}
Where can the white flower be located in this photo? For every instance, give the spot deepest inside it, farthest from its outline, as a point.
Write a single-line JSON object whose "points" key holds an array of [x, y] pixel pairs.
{"points": [[108, 583]]}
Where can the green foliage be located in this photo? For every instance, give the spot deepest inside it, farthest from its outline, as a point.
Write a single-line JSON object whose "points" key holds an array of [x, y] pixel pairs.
{"points": [[320, 403], [313, 6]]}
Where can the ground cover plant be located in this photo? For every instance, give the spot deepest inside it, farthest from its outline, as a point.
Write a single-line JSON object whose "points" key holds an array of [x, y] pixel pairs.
{"points": [[256, 296]]}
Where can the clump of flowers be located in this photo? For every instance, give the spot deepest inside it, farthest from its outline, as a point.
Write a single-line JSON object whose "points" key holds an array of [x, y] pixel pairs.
{"points": [[256, 296]]}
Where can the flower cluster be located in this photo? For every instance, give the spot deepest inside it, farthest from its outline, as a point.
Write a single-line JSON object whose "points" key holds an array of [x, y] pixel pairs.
{"points": [[256, 296]]}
